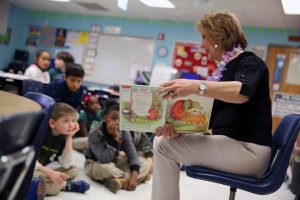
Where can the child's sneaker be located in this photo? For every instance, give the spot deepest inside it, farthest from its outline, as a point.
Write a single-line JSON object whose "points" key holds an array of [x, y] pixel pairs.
{"points": [[114, 184], [37, 190], [77, 186]]}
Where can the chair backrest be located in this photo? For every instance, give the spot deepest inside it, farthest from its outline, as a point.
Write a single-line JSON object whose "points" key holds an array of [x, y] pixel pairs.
{"points": [[16, 150], [102, 100], [283, 142], [102, 92], [29, 85], [45, 101], [17, 130]]}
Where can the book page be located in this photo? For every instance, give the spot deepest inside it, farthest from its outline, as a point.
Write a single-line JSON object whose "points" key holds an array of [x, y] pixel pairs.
{"points": [[141, 109], [190, 114]]}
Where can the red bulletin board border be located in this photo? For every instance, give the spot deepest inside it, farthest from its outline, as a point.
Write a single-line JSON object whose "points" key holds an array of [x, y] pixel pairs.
{"points": [[189, 57]]}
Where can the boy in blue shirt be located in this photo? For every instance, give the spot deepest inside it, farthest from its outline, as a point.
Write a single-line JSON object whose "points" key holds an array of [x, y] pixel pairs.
{"points": [[70, 90]]}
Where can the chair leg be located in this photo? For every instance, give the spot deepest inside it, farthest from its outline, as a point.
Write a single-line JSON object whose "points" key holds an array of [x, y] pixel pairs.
{"points": [[232, 193]]}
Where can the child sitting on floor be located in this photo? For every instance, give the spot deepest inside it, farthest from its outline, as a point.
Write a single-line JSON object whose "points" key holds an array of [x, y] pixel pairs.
{"points": [[54, 161], [112, 157], [89, 117]]}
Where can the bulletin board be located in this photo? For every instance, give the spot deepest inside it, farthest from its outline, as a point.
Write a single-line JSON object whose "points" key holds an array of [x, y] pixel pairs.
{"points": [[115, 57], [191, 58]]}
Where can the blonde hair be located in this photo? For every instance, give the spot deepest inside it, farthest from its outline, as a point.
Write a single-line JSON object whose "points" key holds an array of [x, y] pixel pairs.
{"points": [[223, 28], [61, 110]]}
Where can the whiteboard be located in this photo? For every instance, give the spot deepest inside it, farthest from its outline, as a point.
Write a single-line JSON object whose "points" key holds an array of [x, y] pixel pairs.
{"points": [[116, 56]]}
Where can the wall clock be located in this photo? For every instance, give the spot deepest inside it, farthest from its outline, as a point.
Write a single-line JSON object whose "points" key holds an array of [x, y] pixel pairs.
{"points": [[162, 51]]}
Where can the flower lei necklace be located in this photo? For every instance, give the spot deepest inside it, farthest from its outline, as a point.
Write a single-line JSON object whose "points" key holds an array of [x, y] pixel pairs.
{"points": [[217, 75]]}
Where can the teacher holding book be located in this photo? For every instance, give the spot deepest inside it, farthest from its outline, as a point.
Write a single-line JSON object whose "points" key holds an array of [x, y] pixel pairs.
{"points": [[240, 125]]}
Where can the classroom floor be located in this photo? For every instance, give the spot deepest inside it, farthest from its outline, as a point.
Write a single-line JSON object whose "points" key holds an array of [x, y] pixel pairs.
{"points": [[191, 189]]}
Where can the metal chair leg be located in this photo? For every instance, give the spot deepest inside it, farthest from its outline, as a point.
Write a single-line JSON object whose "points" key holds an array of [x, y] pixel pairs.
{"points": [[232, 193]]}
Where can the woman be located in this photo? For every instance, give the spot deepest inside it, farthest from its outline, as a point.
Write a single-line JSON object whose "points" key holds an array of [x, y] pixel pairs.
{"points": [[240, 124]]}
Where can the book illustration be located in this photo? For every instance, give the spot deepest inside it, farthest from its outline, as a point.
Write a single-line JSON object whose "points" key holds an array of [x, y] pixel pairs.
{"points": [[188, 115], [142, 110]]}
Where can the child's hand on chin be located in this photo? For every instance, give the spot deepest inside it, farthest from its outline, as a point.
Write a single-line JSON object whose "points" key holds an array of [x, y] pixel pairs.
{"points": [[74, 130]]}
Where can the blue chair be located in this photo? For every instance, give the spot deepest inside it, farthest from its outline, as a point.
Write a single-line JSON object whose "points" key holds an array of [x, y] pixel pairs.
{"points": [[29, 85], [47, 104], [283, 142], [16, 150], [45, 101]]}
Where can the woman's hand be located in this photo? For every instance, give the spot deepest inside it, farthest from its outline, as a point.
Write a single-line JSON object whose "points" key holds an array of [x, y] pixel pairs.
{"points": [[166, 131], [179, 88]]}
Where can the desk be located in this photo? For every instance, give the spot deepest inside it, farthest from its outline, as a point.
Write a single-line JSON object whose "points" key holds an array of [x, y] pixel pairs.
{"points": [[12, 103]]}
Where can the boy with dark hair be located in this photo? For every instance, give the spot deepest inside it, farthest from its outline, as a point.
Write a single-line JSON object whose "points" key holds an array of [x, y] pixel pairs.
{"points": [[62, 59], [54, 162], [112, 157], [69, 90]]}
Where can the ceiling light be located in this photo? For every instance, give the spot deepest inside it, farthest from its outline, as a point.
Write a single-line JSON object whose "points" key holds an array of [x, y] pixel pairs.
{"points": [[291, 7], [60, 0], [158, 3], [123, 4]]}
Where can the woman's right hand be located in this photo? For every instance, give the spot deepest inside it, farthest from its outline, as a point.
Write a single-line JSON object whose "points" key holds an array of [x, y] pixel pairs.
{"points": [[58, 177], [166, 131]]}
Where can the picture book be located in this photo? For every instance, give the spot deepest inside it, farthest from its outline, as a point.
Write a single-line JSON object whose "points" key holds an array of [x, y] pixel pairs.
{"points": [[141, 109]]}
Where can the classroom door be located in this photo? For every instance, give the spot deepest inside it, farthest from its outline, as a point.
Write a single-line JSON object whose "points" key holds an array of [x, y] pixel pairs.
{"points": [[278, 75]]}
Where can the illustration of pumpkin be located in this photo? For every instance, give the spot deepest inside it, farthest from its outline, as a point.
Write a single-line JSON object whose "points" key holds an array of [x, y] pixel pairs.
{"points": [[195, 118], [152, 114], [178, 110]]}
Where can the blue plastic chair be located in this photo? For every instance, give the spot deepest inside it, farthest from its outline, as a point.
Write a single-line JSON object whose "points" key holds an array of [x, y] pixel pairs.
{"points": [[283, 142], [47, 103], [29, 85], [16, 150]]}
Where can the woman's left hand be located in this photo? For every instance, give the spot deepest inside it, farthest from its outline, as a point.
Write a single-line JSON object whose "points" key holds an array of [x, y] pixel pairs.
{"points": [[178, 88], [166, 131]]}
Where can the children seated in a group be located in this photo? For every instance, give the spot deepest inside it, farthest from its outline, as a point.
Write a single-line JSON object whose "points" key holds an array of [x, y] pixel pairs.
{"points": [[61, 61], [89, 117], [69, 90], [54, 161], [112, 157], [38, 70]]}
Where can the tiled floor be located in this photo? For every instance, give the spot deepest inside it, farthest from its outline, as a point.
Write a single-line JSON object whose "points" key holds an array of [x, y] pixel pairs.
{"points": [[191, 189]]}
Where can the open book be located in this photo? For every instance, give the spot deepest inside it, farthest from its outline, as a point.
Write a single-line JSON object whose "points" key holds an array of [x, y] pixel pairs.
{"points": [[142, 110]]}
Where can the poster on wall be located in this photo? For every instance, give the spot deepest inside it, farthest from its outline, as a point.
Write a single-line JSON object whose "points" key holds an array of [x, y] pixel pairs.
{"points": [[189, 57], [60, 37], [284, 104], [293, 73], [5, 38], [33, 35], [278, 71], [74, 46], [47, 36]]}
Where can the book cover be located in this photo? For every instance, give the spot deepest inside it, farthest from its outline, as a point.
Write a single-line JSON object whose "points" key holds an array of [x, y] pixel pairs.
{"points": [[142, 110]]}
